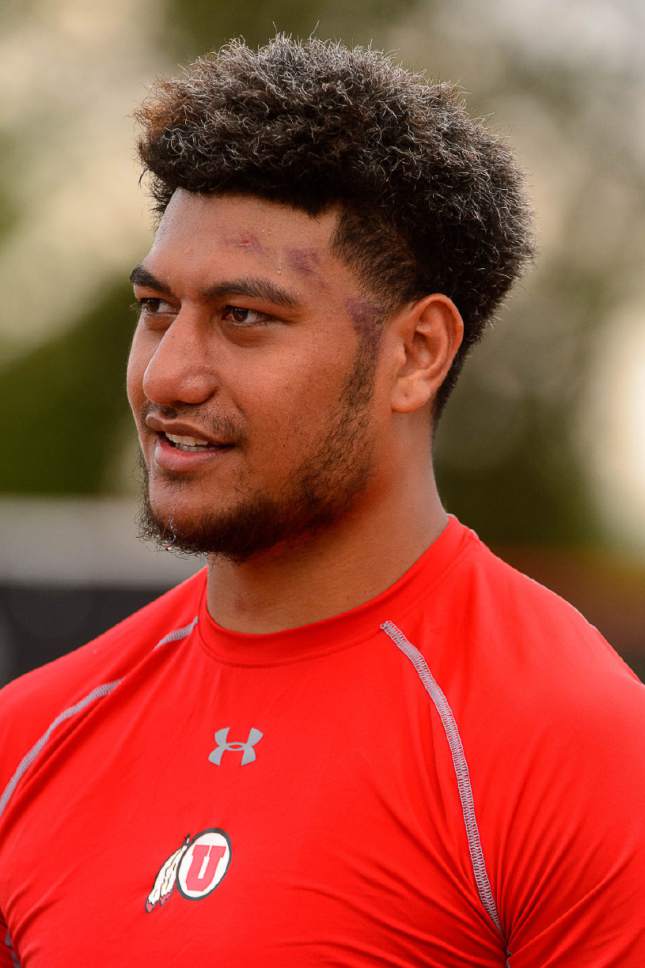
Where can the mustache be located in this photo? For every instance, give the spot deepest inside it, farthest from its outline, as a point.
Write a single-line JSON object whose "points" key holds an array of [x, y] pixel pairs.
{"points": [[217, 425]]}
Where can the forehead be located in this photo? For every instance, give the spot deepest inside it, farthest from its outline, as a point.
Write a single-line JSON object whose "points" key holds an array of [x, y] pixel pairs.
{"points": [[200, 236]]}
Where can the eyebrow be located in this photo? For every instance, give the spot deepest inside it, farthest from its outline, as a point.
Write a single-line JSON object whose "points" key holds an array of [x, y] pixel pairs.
{"points": [[252, 286], [140, 276]]}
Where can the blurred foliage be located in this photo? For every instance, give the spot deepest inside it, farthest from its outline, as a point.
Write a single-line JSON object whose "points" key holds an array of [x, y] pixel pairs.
{"points": [[9, 212], [517, 453], [68, 404], [201, 25]]}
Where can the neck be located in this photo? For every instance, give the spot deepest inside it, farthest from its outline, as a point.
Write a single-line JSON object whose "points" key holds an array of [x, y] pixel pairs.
{"points": [[329, 573]]}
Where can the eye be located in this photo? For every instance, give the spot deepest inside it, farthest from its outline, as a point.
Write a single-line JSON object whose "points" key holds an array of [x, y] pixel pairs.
{"points": [[241, 316], [151, 305]]}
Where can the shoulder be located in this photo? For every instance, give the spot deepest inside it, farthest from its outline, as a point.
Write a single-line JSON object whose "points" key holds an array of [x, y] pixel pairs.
{"points": [[509, 651], [526, 634], [554, 677], [30, 703], [546, 677], [553, 728], [551, 718]]}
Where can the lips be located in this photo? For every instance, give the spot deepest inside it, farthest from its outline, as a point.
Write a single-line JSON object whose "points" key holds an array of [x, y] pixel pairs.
{"points": [[181, 434], [182, 448], [189, 443], [187, 458]]}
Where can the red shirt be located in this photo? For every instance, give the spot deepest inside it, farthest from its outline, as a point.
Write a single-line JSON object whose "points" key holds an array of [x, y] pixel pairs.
{"points": [[449, 775]]}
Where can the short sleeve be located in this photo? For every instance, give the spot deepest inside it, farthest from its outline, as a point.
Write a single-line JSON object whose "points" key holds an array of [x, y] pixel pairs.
{"points": [[576, 895]]}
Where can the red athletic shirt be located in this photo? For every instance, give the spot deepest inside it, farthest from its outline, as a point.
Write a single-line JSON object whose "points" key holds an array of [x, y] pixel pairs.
{"points": [[449, 775]]}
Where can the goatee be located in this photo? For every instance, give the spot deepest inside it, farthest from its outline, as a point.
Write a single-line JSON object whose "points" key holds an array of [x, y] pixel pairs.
{"points": [[320, 492]]}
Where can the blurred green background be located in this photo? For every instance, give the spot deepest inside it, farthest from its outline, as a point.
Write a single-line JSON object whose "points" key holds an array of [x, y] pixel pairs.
{"points": [[542, 447]]}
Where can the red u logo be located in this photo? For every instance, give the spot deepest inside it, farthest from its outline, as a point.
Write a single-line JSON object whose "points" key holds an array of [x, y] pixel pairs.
{"points": [[203, 866]]}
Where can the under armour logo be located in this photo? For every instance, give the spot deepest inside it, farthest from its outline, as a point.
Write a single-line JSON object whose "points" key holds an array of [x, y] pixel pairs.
{"points": [[221, 738]]}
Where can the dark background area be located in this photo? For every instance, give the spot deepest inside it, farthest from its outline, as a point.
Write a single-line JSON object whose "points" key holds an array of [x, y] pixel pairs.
{"points": [[38, 622]]}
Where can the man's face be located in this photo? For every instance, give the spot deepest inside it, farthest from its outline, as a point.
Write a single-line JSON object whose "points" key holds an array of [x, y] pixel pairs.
{"points": [[252, 391]]}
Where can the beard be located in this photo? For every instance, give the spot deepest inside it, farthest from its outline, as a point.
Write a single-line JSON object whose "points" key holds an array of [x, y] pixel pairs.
{"points": [[322, 489]]}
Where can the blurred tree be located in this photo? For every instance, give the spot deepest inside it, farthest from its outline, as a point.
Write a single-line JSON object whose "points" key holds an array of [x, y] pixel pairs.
{"points": [[201, 25], [507, 442], [68, 404]]}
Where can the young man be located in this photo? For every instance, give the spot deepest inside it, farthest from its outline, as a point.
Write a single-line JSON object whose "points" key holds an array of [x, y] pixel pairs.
{"points": [[356, 738]]}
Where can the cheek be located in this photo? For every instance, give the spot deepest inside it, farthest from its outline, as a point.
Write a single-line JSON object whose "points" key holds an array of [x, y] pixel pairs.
{"points": [[290, 409]]}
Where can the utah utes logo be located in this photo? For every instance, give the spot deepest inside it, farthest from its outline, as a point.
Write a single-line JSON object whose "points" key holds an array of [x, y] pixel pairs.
{"points": [[195, 869]]}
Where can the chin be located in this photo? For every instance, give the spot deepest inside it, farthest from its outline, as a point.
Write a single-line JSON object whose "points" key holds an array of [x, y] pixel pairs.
{"points": [[170, 528], [238, 533]]}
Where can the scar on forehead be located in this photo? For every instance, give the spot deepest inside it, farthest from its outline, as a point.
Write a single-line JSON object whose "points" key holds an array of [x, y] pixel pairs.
{"points": [[366, 315], [304, 260], [245, 240]]}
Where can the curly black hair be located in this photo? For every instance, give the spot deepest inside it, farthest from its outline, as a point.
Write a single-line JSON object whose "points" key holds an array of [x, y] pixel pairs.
{"points": [[430, 200]]}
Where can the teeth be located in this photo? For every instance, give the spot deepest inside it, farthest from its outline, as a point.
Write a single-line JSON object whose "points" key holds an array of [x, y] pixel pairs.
{"points": [[187, 443]]}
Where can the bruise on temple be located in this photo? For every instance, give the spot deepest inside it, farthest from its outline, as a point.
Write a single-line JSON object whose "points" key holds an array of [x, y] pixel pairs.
{"points": [[367, 317]]}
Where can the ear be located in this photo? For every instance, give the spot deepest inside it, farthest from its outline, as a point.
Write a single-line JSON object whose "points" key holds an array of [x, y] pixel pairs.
{"points": [[428, 334]]}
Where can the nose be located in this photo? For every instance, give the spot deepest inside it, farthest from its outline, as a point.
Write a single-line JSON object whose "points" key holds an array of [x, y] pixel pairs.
{"points": [[178, 372]]}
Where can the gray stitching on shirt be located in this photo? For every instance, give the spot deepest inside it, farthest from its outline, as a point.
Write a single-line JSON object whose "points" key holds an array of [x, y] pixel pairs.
{"points": [[461, 770], [178, 633], [97, 693], [29, 757], [12, 951]]}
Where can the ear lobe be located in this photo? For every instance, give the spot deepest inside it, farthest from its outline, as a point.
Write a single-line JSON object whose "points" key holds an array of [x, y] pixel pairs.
{"points": [[430, 333]]}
